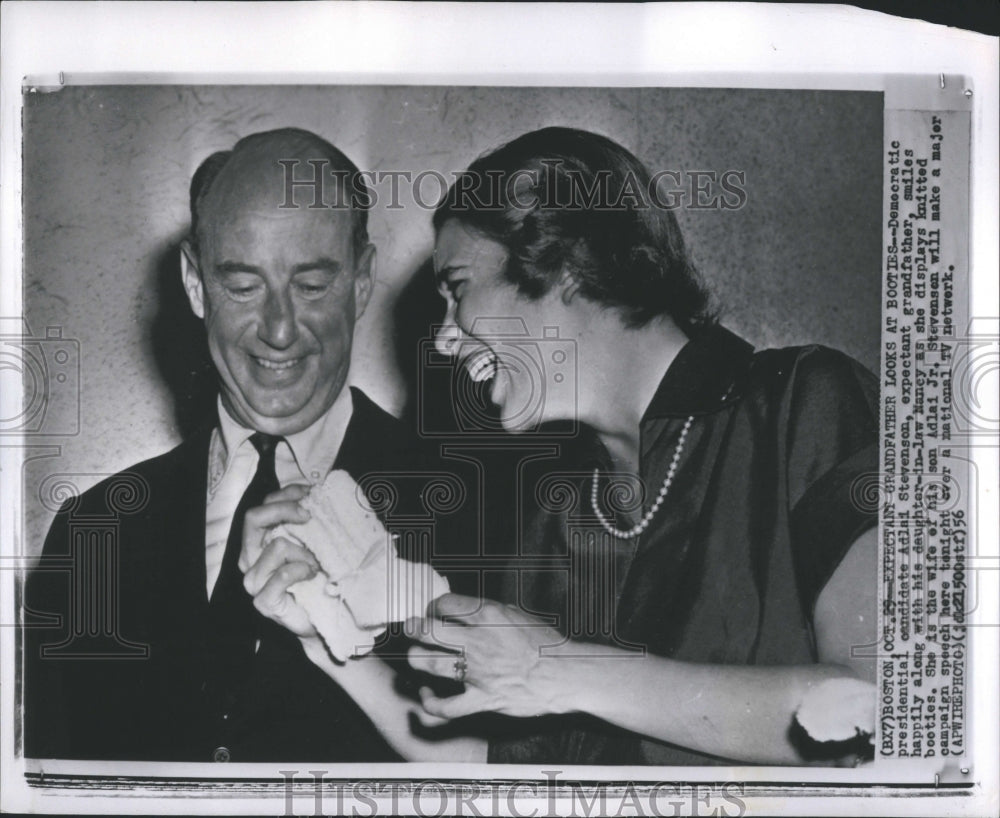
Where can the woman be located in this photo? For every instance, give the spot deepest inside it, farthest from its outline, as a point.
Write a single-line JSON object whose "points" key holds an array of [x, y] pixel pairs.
{"points": [[715, 529]]}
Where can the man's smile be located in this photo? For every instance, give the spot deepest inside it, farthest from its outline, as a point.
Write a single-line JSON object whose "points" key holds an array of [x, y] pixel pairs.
{"points": [[268, 363]]}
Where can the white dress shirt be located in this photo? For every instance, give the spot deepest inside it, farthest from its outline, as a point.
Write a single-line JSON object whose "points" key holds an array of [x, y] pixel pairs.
{"points": [[305, 457]]}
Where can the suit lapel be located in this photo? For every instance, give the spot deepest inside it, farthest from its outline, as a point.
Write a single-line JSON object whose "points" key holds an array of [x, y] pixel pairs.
{"points": [[181, 517], [364, 438]]}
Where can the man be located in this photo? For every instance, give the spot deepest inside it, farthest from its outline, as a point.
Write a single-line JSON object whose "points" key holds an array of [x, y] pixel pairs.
{"points": [[194, 673]]}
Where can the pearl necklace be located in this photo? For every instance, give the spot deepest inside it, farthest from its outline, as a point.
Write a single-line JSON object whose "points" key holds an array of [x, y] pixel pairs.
{"points": [[639, 527]]}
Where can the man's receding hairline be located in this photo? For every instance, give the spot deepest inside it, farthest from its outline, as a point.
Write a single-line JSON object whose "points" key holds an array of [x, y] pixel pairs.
{"points": [[231, 165], [299, 144]]}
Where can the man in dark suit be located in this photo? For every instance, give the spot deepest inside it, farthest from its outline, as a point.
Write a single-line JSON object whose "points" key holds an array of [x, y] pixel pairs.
{"points": [[181, 667]]}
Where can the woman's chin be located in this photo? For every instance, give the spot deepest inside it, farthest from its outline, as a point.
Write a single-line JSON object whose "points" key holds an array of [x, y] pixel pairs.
{"points": [[522, 421], [516, 411], [513, 427], [513, 422]]}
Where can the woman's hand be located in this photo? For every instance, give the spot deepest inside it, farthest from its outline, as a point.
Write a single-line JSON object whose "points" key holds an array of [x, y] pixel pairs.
{"points": [[504, 656], [270, 570]]}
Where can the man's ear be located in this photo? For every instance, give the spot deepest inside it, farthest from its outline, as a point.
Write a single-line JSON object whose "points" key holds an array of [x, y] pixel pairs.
{"points": [[191, 279], [364, 280]]}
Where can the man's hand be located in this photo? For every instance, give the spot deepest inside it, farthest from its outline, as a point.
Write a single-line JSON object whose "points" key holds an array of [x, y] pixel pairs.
{"points": [[279, 507], [270, 570]]}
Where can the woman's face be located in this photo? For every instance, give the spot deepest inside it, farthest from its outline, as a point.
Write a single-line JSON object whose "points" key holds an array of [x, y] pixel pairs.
{"points": [[526, 346]]}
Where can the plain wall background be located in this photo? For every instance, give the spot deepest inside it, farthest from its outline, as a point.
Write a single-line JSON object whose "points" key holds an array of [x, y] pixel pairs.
{"points": [[107, 169]]}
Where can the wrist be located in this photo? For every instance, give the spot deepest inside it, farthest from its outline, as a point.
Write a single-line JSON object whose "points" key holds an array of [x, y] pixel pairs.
{"points": [[560, 679], [588, 676], [316, 651]]}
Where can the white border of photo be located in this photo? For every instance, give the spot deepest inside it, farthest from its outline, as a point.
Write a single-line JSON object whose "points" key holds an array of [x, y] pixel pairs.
{"points": [[695, 45]]}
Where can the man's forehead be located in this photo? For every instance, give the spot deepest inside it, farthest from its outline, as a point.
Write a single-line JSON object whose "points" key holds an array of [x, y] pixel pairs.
{"points": [[260, 179], [248, 204], [278, 238], [258, 176]]}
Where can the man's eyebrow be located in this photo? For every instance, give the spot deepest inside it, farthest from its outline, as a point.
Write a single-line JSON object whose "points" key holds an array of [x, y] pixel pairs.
{"points": [[323, 263], [224, 267]]}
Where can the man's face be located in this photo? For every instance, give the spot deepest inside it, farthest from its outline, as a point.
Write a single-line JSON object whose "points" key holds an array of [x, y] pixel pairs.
{"points": [[279, 291]]}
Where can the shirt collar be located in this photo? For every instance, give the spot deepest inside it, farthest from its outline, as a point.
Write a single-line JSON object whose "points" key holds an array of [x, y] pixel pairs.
{"points": [[314, 449], [705, 376]]}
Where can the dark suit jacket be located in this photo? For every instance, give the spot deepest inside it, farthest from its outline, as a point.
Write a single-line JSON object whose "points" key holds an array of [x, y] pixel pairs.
{"points": [[123, 675]]}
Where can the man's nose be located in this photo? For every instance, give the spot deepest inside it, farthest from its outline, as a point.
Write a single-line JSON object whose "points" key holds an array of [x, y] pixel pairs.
{"points": [[277, 326], [448, 335]]}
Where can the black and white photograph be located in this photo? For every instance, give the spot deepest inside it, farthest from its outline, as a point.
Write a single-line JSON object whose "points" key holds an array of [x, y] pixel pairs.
{"points": [[445, 443]]}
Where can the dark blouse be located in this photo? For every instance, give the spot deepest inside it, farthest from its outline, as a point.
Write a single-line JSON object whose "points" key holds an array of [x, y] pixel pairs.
{"points": [[766, 501]]}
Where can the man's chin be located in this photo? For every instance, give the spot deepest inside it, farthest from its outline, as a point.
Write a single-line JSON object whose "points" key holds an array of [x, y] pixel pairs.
{"points": [[275, 418]]}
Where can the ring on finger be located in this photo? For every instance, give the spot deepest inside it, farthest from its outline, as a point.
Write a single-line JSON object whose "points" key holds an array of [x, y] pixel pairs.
{"points": [[460, 667]]}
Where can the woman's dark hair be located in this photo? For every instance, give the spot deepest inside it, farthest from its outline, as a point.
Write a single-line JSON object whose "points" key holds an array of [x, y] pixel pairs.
{"points": [[562, 200]]}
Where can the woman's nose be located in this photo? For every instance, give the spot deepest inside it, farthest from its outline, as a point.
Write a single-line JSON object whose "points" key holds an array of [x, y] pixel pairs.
{"points": [[447, 338], [448, 335]]}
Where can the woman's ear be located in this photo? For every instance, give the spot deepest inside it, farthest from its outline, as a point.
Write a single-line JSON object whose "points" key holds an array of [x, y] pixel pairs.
{"points": [[568, 286]]}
